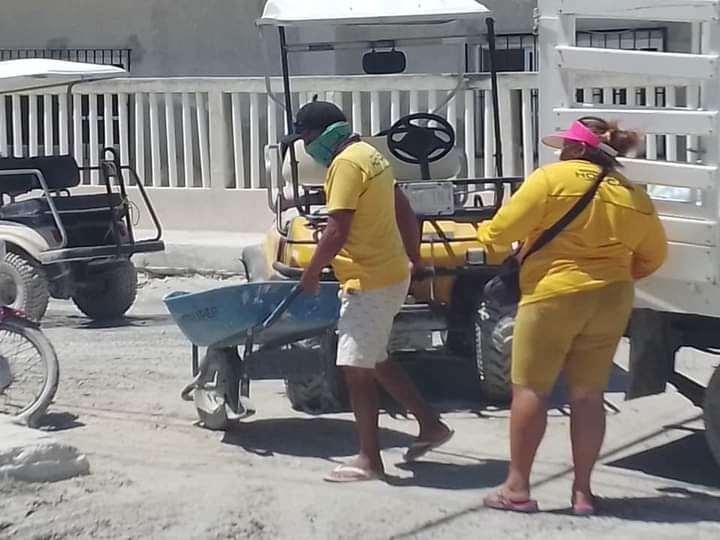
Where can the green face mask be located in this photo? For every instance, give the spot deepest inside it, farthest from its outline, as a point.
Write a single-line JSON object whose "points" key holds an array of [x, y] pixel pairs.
{"points": [[324, 147]]}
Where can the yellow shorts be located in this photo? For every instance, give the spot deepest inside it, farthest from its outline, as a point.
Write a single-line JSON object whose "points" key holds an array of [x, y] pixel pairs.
{"points": [[575, 333]]}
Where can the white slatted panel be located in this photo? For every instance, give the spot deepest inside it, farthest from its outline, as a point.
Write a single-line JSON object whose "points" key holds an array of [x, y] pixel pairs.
{"points": [[78, 152], [203, 138], [3, 129], [48, 125], [124, 129], [155, 156], [255, 142], [489, 135], [470, 132], [94, 143], [375, 112], [171, 140], [238, 148], [527, 132], [140, 136], [108, 122], [33, 126], [17, 126], [187, 135]]}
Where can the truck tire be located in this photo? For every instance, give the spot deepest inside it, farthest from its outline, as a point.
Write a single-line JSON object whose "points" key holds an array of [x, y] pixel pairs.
{"points": [[493, 347], [109, 293], [711, 413], [320, 393], [24, 286]]}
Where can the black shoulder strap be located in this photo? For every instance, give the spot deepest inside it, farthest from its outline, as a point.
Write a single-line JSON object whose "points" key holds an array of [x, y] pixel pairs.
{"points": [[549, 234]]}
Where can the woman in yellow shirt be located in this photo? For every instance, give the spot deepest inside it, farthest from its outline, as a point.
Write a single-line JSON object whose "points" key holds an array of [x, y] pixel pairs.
{"points": [[576, 295]]}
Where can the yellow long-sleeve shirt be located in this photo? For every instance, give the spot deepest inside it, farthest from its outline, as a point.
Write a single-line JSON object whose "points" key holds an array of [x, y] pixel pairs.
{"points": [[618, 237]]}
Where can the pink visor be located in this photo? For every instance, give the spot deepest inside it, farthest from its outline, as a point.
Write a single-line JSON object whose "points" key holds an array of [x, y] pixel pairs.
{"points": [[578, 132]]}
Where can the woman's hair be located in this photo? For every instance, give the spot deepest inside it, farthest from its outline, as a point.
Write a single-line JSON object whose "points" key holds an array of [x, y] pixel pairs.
{"points": [[624, 141]]}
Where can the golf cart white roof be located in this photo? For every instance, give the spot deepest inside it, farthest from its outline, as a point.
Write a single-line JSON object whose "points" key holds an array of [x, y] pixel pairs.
{"points": [[365, 12], [29, 73]]}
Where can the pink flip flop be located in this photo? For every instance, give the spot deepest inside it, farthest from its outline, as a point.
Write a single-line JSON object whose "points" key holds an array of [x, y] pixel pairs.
{"points": [[583, 508], [419, 448], [350, 473], [498, 501]]}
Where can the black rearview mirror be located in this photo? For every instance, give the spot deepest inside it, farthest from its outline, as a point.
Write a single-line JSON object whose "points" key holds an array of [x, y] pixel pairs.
{"points": [[384, 63]]}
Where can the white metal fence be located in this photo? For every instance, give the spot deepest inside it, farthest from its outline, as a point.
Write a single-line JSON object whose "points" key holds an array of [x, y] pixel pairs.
{"points": [[210, 133]]}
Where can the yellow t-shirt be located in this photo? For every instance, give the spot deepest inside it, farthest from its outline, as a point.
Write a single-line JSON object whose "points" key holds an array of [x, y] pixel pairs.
{"points": [[618, 237], [373, 257]]}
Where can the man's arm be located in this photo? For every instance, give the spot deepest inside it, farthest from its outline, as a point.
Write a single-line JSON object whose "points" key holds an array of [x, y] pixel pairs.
{"points": [[407, 223], [331, 242]]}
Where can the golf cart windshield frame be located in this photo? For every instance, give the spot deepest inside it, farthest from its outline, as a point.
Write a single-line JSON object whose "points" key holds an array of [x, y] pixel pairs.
{"points": [[286, 102]]}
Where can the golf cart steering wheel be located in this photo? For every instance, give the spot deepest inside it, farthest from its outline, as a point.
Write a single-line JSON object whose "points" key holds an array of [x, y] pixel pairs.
{"points": [[414, 140]]}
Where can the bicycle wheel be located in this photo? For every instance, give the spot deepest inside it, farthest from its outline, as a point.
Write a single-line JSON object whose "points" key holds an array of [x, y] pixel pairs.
{"points": [[28, 371]]}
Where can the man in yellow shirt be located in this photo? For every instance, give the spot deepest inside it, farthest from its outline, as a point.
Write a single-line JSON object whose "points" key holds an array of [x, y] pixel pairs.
{"points": [[372, 240]]}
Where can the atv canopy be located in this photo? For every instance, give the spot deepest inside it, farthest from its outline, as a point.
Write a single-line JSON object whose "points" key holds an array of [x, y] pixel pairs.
{"points": [[33, 73]]}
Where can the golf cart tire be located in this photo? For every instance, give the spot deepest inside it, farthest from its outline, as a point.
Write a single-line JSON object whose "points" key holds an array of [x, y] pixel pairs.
{"points": [[33, 293], [711, 413], [493, 347], [320, 393], [113, 296]]}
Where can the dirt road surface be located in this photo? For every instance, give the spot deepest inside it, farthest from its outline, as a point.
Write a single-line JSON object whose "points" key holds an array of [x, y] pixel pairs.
{"points": [[156, 475]]}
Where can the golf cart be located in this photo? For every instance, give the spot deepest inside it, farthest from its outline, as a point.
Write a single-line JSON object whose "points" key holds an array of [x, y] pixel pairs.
{"points": [[61, 243], [443, 316]]}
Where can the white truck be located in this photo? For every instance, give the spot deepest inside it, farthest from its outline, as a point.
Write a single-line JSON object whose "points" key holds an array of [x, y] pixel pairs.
{"points": [[680, 306]]}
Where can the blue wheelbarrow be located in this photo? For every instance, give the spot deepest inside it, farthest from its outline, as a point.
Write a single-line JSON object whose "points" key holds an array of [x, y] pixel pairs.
{"points": [[250, 332]]}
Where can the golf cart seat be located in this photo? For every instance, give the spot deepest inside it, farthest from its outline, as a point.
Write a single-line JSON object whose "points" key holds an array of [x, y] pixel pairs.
{"points": [[450, 167], [60, 174]]}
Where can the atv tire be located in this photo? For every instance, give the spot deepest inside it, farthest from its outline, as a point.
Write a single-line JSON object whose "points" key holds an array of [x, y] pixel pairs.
{"points": [[711, 413], [24, 286], [493, 347], [320, 393], [109, 293]]}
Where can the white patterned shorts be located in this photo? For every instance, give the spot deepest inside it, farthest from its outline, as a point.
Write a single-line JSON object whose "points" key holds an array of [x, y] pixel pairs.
{"points": [[365, 325]]}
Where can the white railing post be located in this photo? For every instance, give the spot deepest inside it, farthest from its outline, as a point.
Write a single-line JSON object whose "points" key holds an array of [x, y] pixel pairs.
{"points": [[3, 129], [48, 149], [220, 169], [556, 85], [17, 126]]}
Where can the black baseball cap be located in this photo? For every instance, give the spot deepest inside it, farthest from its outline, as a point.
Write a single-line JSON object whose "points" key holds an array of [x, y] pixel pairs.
{"points": [[316, 115]]}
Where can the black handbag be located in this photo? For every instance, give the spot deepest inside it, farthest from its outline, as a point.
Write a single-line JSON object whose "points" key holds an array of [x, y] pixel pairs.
{"points": [[504, 289]]}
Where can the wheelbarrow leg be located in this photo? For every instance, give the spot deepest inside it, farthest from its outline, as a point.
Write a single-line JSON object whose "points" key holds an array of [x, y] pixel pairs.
{"points": [[195, 360], [244, 377]]}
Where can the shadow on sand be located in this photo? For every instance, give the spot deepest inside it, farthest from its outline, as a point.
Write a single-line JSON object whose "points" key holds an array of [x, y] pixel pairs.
{"points": [[317, 437]]}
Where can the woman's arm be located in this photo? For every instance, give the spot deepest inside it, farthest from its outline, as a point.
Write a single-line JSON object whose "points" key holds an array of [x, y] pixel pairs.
{"points": [[517, 218]]}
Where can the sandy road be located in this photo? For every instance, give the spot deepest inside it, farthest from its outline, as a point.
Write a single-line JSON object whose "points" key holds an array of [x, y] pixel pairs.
{"points": [[156, 475]]}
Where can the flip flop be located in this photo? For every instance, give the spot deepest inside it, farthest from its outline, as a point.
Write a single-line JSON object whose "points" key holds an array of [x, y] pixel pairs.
{"points": [[498, 501], [583, 508], [419, 448], [350, 473]]}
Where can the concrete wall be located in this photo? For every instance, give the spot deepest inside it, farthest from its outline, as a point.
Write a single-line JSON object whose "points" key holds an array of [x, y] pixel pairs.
{"points": [[216, 37], [167, 37]]}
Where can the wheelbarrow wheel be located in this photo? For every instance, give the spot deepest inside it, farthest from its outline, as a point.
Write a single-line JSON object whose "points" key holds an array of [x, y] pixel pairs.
{"points": [[320, 393]]}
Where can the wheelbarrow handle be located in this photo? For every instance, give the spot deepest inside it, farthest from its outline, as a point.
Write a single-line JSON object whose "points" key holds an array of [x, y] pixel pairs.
{"points": [[280, 308]]}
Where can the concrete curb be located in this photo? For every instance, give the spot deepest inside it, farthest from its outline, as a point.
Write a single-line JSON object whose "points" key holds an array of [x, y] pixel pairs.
{"points": [[198, 252], [30, 455]]}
